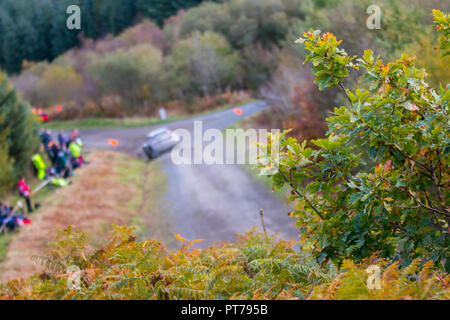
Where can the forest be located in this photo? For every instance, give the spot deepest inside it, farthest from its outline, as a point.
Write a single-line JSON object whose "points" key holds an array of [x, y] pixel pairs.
{"points": [[33, 30]]}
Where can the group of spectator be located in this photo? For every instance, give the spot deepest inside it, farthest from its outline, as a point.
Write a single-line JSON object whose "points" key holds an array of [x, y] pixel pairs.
{"points": [[65, 155], [13, 217], [10, 218]]}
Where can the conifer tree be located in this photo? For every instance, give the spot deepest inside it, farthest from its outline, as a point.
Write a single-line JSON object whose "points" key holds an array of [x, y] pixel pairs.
{"points": [[18, 133]]}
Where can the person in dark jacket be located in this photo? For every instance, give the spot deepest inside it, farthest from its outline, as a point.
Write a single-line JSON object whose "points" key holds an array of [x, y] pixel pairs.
{"points": [[62, 139], [53, 152], [6, 219], [62, 167], [10, 219], [47, 142], [45, 137]]}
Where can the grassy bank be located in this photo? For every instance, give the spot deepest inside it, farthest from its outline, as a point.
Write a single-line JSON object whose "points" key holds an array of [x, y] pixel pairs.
{"points": [[12, 198], [106, 123], [113, 189]]}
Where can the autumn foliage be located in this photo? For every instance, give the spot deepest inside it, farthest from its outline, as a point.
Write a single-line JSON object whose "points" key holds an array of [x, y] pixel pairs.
{"points": [[253, 267], [373, 192], [379, 181]]}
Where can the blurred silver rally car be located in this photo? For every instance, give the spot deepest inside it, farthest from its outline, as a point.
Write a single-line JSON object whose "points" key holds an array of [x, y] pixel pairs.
{"points": [[160, 141]]}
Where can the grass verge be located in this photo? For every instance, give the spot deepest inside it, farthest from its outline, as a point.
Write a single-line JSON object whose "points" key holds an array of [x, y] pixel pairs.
{"points": [[4, 243], [12, 198], [106, 123], [123, 123], [113, 189]]}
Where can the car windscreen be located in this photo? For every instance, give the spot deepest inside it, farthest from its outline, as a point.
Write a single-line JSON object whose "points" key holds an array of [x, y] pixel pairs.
{"points": [[161, 136]]}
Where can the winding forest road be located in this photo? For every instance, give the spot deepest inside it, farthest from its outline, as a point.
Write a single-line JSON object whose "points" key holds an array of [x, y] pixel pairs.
{"points": [[211, 202]]}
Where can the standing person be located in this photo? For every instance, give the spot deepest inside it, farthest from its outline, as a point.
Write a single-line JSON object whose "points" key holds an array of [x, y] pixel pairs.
{"points": [[75, 152], [45, 137], [75, 134], [61, 164], [68, 155], [40, 166], [62, 139], [53, 152], [60, 161], [24, 191]]}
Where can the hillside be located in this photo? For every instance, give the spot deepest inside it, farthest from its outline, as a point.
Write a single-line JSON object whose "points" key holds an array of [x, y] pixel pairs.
{"points": [[208, 55], [113, 189], [232, 150]]}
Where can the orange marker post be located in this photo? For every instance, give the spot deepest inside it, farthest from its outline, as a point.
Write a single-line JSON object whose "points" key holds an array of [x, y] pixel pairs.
{"points": [[113, 142], [238, 111]]}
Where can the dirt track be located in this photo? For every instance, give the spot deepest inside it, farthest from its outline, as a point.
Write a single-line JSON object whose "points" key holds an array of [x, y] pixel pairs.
{"points": [[213, 202]]}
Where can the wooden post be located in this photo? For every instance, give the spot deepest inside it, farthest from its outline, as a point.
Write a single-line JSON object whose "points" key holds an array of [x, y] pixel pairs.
{"points": [[261, 214]]}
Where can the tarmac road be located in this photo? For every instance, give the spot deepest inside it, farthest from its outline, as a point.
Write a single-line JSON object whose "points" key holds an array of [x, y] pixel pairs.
{"points": [[211, 202]]}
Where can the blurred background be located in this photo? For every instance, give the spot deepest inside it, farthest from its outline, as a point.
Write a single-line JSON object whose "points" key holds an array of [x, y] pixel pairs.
{"points": [[133, 57]]}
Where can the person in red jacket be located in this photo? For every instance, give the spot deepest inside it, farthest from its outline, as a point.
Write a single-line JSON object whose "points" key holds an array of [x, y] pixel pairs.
{"points": [[24, 191]]}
